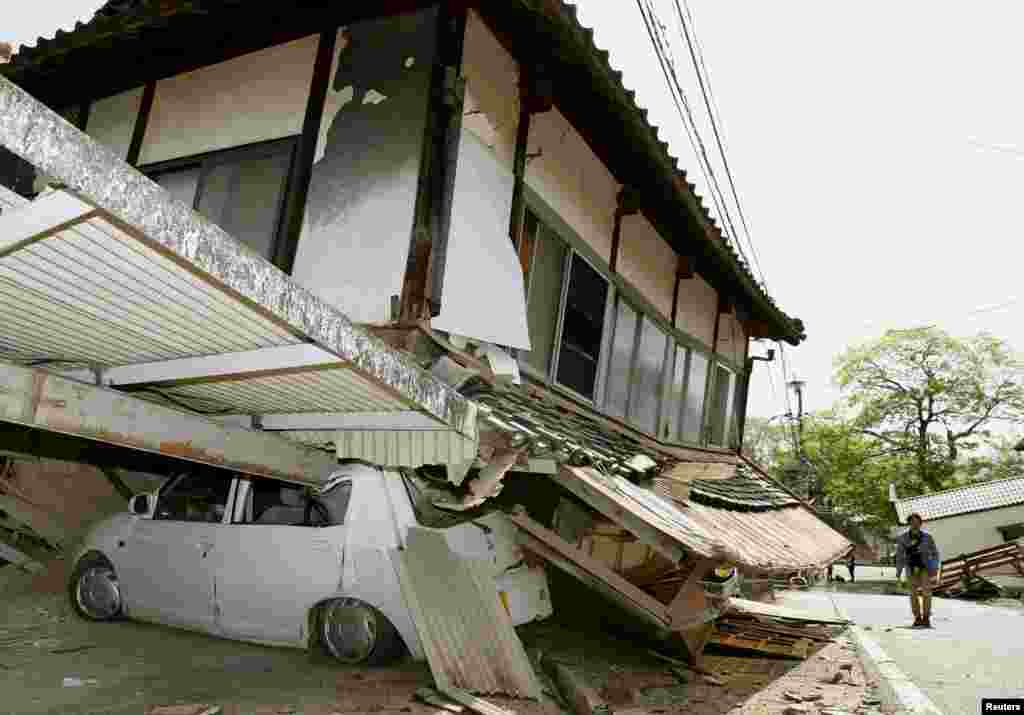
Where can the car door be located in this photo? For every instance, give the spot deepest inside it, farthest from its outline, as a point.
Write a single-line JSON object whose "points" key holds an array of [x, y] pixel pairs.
{"points": [[270, 568], [164, 564]]}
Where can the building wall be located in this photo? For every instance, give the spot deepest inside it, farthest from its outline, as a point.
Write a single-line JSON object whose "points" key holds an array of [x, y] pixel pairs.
{"points": [[697, 305], [731, 338], [256, 97], [965, 533], [112, 120], [648, 263]]}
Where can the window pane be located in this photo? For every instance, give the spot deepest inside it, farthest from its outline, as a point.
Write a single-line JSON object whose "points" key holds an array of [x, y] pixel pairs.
{"points": [[650, 364], [582, 328], [620, 363], [195, 497], [694, 408], [719, 415], [181, 183], [545, 294], [243, 197], [674, 405]]}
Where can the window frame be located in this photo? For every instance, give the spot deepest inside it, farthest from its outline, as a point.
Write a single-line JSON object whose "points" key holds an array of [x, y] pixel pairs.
{"points": [[618, 289], [727, 409], [208, 161]]}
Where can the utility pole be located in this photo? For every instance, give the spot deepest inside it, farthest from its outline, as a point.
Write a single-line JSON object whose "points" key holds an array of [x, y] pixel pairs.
{"points": [[798, 388]]}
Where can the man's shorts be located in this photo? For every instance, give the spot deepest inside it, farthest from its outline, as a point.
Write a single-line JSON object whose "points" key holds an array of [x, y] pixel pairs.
{"points": [[920, 580]]}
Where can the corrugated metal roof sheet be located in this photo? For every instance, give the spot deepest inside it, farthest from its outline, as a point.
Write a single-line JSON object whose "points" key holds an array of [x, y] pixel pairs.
{"points": [[963, 500], [784, 538], [406, 448], [124, 274], [467, 634]]}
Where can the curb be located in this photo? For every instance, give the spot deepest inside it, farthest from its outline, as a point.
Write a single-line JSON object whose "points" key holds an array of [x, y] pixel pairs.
{"points": [[896, 691]]}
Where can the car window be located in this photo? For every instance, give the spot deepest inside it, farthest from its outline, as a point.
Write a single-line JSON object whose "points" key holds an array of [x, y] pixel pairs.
{"points": [[276, 503], [195, 497]]}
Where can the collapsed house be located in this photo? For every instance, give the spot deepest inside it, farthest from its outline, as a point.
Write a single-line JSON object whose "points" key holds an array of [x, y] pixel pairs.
{"points": [[426, 237]]}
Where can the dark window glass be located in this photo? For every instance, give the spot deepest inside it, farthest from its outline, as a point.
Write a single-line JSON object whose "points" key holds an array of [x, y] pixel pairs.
{"points": [[241, 190], [544, 297], [243, 197], [620, 362], [693, 410], [582, 328], [282, 504], [197, 496], [647, 391], [180, 183], [738, 404]]}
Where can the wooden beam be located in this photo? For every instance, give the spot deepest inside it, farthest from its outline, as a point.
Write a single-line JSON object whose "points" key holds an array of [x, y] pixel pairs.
{"points": [[552, 547], [423, 284], [141, 123], [687, 267], [301, 174]]}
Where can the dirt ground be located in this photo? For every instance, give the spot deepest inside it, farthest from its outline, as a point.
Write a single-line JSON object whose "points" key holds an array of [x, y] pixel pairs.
{"points": [[53, 662]]}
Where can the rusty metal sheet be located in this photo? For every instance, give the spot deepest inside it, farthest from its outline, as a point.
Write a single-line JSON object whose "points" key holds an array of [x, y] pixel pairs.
{"points": [[143, 211], [777, 540], [43, 400], [465, 630]]}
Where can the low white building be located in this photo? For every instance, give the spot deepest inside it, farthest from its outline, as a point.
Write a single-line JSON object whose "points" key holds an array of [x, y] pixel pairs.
{"points": [[967, 519]]}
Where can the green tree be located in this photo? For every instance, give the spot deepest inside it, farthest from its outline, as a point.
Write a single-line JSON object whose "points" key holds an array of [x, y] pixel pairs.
{"points": [[766, 441], [930, 398]]}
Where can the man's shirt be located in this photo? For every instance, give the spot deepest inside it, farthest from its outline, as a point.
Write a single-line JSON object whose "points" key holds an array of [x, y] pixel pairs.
{"points": [[922, 543]]}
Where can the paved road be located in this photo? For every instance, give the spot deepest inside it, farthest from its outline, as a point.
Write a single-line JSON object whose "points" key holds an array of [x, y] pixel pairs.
{"points": [[974, 651]]}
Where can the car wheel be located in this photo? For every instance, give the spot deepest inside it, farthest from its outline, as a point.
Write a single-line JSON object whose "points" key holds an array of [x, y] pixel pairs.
{"points": [[94, 590], [356, 633]]}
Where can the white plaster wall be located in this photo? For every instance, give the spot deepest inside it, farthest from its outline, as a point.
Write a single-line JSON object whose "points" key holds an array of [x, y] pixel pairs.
{"points": [[697, 305], [255, 97], [572, 180], [484, 295], [112, 120], [647, 262], [492, 91], [359, 215], [963, 534]]}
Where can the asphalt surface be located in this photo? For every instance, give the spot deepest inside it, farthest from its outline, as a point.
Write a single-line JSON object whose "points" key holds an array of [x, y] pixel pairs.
{"points": [[974, 651]]}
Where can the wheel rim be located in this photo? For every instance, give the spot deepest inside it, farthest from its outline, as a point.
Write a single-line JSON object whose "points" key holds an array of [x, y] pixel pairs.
{"points": [[97, 593], [349, 630]]}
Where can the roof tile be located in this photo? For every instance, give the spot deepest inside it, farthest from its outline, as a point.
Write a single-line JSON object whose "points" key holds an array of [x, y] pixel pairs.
{"points": [[963, 500]]}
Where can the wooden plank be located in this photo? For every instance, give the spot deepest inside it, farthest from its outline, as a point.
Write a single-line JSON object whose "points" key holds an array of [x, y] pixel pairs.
{"points": [[472, 702], [588, 564], [579, 483]]}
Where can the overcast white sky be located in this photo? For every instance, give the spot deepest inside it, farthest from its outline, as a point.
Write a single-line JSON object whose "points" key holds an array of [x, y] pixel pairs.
{"points": [[878, 149]]}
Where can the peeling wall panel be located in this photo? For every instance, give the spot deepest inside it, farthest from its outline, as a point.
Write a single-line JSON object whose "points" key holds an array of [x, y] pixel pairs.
{"points": [[360, 209], [256, 97], [484, 293]]}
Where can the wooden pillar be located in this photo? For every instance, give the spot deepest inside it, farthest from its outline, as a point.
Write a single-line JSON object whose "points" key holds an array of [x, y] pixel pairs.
{"points": [[297, 187], [423, 284], [627, 203], [141, 124], [536, 96]]}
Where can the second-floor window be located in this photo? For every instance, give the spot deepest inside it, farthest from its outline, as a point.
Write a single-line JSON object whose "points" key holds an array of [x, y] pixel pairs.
{"points": [[241, 190], [566, 299]]}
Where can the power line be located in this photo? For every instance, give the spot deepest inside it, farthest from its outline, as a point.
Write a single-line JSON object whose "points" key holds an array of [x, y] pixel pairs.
{"points": [[663, 53], [697, 56]]}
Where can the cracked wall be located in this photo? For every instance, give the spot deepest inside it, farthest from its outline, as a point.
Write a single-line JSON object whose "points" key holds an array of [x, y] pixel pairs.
{"points": [[360, 209]]}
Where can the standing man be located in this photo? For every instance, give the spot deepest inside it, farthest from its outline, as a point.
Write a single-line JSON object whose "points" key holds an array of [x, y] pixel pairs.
{"points": [[916, 550], [851, 564]]}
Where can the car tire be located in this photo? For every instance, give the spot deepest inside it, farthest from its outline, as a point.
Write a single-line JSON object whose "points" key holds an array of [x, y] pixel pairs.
{"points": [[356, 633], [93, 589]]}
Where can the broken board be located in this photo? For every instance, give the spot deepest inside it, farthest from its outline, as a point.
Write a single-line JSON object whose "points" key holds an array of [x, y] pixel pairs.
{"points": [[466, 632]]}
